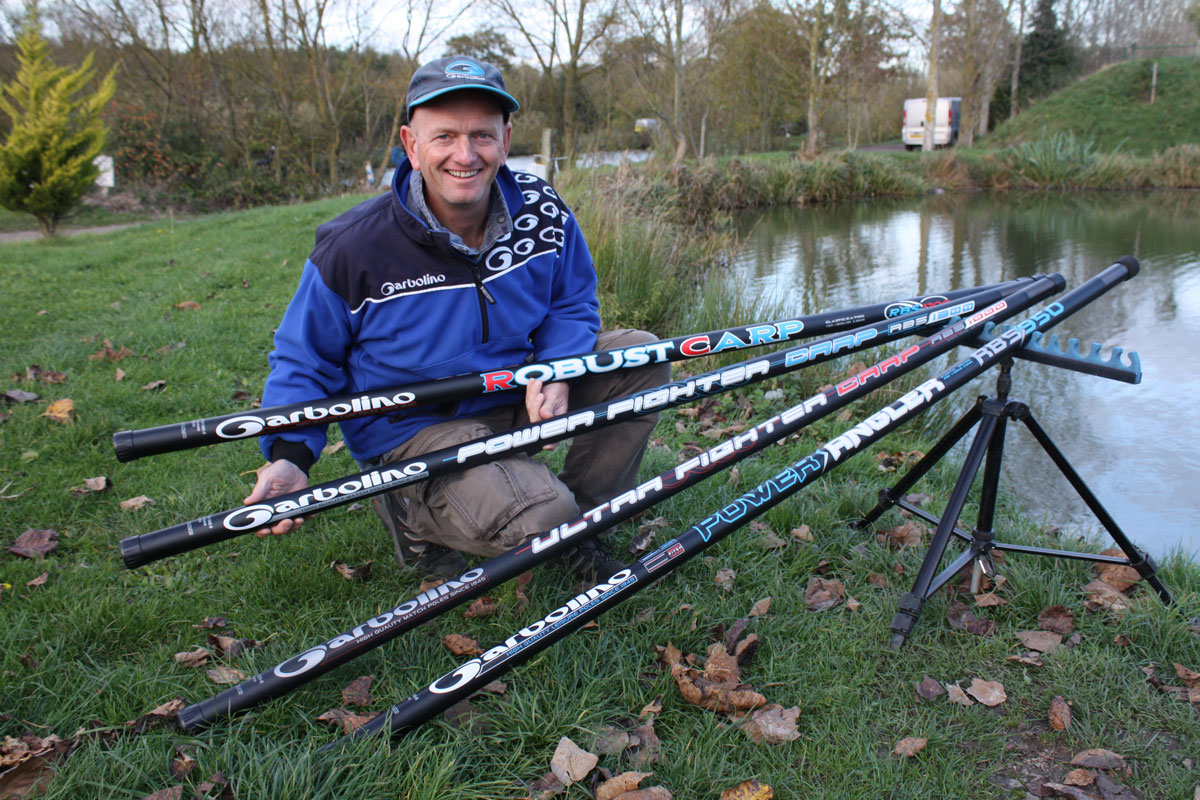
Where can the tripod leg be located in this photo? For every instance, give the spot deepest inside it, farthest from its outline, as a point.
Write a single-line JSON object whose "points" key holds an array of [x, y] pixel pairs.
{"points": [[889, 497], [911, 604], [1139, 560]]}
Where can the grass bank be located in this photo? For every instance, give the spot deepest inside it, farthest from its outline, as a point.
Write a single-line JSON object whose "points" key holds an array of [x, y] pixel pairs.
{"points": [[1114, 106], [91, 646], [698, 194]]}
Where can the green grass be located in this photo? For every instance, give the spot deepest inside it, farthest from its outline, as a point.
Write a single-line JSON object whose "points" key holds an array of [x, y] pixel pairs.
{"points": [[93, 647], [1113, 107], [83, 216]]}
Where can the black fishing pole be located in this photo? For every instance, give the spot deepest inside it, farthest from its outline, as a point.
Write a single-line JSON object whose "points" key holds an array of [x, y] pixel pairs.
{"points": [[317, 660], [467, 678], [145, 548], [130, 445]]}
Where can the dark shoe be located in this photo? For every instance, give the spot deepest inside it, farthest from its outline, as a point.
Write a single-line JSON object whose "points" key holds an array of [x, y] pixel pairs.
{"points": [[427, 557], [590, 561]]}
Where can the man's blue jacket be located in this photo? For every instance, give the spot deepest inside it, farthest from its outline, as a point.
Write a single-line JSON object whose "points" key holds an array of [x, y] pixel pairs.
{"points": [[386, 301]]}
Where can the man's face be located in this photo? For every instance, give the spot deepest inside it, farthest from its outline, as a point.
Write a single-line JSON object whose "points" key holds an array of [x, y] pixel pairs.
{"points": [[458, 143]]}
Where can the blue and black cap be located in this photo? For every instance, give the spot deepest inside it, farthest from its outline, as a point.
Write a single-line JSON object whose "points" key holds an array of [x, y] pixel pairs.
{"points": [[452, 73]]}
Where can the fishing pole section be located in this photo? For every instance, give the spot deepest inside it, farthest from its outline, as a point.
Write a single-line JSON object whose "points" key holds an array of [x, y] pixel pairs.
{"points": [[145, 548], [317, 660], [130, 445], [470, 676]]}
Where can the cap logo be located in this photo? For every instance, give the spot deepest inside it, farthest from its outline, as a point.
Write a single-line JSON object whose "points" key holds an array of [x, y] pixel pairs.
{"points": [[463, 69]]}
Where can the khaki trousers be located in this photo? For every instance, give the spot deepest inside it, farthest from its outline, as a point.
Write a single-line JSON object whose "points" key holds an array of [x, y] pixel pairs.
{"points": [[493, 507]]}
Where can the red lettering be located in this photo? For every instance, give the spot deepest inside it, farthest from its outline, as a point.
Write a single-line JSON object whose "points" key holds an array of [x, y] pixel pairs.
{"points": [[497, 381], [847, 385], [695, 346]]}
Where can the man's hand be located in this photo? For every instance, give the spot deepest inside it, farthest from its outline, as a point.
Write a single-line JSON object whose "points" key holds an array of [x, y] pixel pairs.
{"points": [[545, 400], [278, 477]]}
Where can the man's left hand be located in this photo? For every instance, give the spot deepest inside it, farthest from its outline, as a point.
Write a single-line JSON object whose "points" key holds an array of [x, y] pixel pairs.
{"points": [[545, 400]]}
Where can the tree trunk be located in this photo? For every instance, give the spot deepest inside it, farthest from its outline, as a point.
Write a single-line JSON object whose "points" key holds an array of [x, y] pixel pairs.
{"points": [[931, 92], [1016, 70]]}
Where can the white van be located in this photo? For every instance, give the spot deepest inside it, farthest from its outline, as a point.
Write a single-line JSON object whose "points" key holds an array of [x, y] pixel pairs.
{"points": [[945, 127]]}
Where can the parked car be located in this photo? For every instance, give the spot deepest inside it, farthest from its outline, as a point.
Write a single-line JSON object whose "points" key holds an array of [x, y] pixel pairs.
{"points": [[947, 119]]}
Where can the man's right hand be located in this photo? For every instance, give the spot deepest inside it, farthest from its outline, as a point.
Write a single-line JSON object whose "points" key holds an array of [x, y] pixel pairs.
{"points": [[276, 478]]}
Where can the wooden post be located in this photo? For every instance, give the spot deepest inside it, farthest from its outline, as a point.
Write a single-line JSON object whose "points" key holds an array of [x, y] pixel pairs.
{"points": [[548, 153], [1153, 82]]}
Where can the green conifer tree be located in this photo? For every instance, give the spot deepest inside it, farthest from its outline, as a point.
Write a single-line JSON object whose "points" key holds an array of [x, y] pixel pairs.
{"points": [[46, 161]]}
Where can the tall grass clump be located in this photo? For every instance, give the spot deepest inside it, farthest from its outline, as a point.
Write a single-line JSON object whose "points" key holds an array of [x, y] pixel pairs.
{"points": [[1056, 161], [1177, 167], [646, 261]]}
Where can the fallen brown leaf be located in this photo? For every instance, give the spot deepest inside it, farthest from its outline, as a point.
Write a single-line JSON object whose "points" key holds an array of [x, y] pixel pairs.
{"points": [[188, 305], [460, 645], [62, 410], [724, 694], [211, 622], [724, 578], [225, 675], [910, 746], [358, 693], [347, 720], [652, 793], [989, 599], [181, 764], [496, 687], [955, 694], [875, 579], [40, 580], [907, 535], [230, 647], [1058, 619], [772, 724], [1098, 758], [928, 688], [172, 793], [333, 447], [522, 583], [136, 503], [359, 573], [571, 763], [749, 790], [653, 707], [1103, 597], [119, 375], [761, 607], [19, 396], [34, 543], [802, 534], [109, 354], [1190, 677], [823, 593], [1080, 777], [153, 386], [98, 484], [990, 693], [963, 618], [1041, 641], [1070, 791], [193, 658], [619, 784], [1060, 714], [482, 607], [1029, 659], [546, 787]]}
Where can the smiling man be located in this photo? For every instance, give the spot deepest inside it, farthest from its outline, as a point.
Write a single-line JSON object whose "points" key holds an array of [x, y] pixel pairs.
{"points": [[464, 266]]}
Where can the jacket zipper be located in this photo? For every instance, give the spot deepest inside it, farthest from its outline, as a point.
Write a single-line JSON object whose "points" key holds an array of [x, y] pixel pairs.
{"points": [[484, 295]]}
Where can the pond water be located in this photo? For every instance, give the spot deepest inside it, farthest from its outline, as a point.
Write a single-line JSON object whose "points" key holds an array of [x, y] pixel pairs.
{"points": [[1136, 446]]}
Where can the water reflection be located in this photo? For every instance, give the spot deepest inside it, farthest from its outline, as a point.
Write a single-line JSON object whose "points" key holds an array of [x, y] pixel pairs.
{"points": [[1138, 447]]}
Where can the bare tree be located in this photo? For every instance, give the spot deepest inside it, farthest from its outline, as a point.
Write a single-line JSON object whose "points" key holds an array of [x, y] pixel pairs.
{"points": [[931, 91]]}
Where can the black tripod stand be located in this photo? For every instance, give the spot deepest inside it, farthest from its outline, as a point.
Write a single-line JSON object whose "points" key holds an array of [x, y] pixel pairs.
{"points": [[992, 415]]}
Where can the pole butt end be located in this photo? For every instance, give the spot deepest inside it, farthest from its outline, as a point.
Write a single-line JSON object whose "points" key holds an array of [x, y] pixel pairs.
{"points": [[131, 552], [123, 445], [193, 718], [1131, 264]]}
